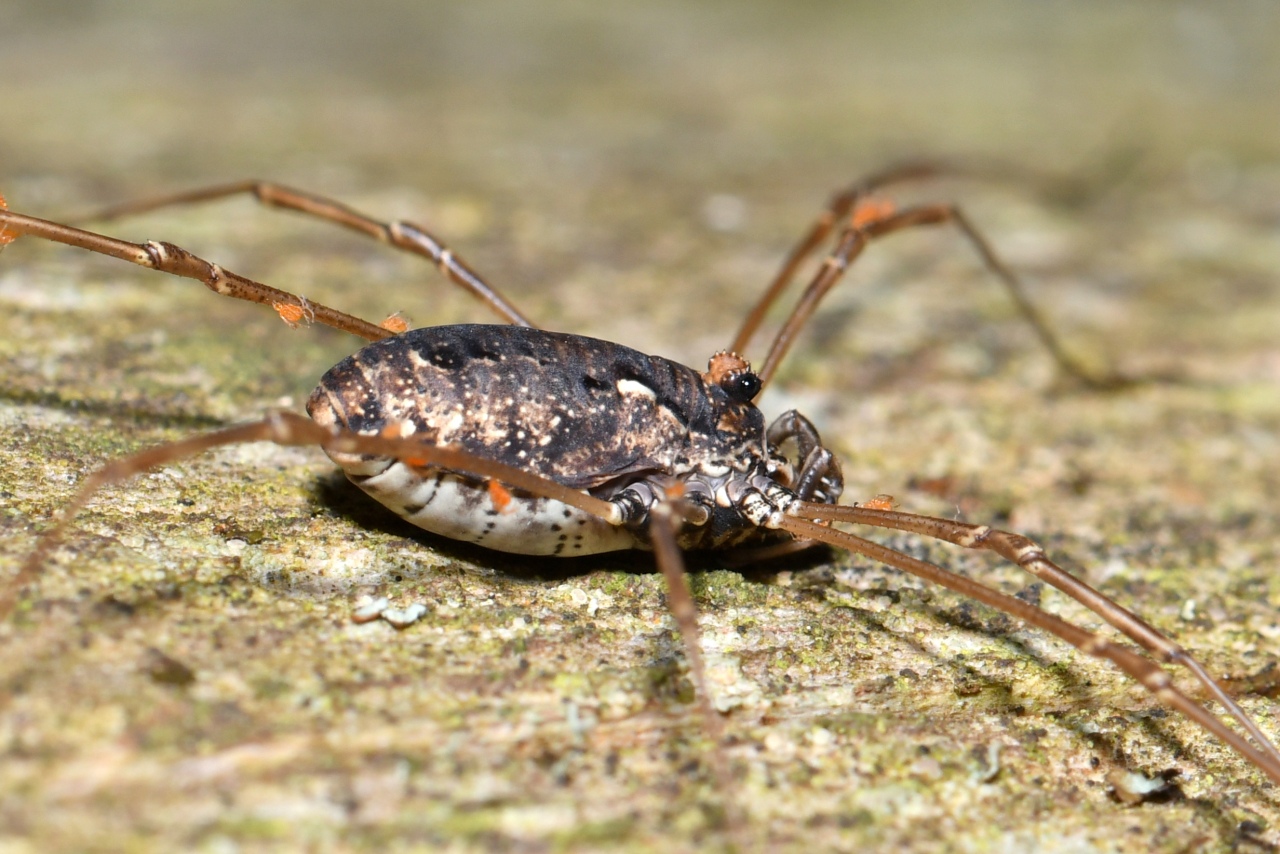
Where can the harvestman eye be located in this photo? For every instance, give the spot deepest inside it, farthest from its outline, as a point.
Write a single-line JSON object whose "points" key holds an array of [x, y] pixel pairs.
{"points": [[577, 446]]}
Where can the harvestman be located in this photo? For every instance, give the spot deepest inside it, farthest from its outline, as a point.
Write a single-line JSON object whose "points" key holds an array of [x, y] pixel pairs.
{"points": [[536, 442]]}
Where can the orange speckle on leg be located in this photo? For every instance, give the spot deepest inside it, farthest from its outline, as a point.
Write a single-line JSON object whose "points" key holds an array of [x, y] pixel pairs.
{"points": [[880, 502], [5, 236], [289, 313], [870, 210], [499, 495], [398, 430]]}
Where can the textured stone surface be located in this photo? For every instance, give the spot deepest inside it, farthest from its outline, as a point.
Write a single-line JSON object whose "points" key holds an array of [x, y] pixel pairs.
{"points": [[187, 673]]}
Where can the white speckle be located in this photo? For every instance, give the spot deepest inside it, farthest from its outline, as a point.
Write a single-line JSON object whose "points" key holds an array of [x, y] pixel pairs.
{"points": [[369, 608], [988, 770], [403, 617], [1131, 787], [633, 387], [821, 737]]}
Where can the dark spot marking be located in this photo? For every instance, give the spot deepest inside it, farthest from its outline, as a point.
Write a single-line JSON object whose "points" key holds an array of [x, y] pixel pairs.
{"points": [[481, 350], [439, 353]]}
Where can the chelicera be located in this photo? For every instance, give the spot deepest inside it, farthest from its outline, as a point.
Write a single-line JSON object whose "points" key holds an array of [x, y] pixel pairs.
{"points": [[545, 443]]}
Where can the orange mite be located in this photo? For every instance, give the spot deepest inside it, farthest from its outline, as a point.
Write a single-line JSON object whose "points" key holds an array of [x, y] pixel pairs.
{"points": [[395, 323], [5, 237], [289, 313], [870, 210]]}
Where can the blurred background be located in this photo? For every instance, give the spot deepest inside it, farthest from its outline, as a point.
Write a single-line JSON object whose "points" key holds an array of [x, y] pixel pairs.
{"points": [[741, 89], [604, 144]]}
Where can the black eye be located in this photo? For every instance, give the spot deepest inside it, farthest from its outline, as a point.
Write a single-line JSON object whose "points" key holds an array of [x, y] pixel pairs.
{"points": [[742, 387]]}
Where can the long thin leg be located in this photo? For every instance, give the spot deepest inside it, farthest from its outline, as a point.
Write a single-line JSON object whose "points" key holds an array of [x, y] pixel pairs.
{"points": [[1031, 557], [1152, 677], [291, 429], [855, 238], [400, 234], [662, 529], [176, 261], [288, 428], [838, 209], [680, 600], [663, 518]]}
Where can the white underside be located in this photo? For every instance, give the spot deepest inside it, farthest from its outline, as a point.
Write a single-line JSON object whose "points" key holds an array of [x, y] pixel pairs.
{"points": [[462, 509]]}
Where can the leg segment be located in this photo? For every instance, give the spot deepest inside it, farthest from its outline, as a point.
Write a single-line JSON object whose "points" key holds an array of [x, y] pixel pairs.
{"points": [[176, 261], [662, 534], [839, 208], [854, 239], [291, 429], [400, 234], [288, 428], [1031, 557]]}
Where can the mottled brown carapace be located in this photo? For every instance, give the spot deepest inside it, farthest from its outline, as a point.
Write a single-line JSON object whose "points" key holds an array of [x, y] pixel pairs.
{"points": [[541, 442]]}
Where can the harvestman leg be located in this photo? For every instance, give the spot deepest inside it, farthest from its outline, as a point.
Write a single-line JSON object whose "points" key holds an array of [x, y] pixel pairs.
{"points": [[400, 234], [1029, 555], [854, 238], [1026, 554], [841, 206], [1014, 547], [291, 429], [176, 261]]}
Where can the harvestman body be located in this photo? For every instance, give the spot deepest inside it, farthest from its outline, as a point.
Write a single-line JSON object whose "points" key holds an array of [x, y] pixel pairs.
{"points": [[593, 415], [537, 442]]}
